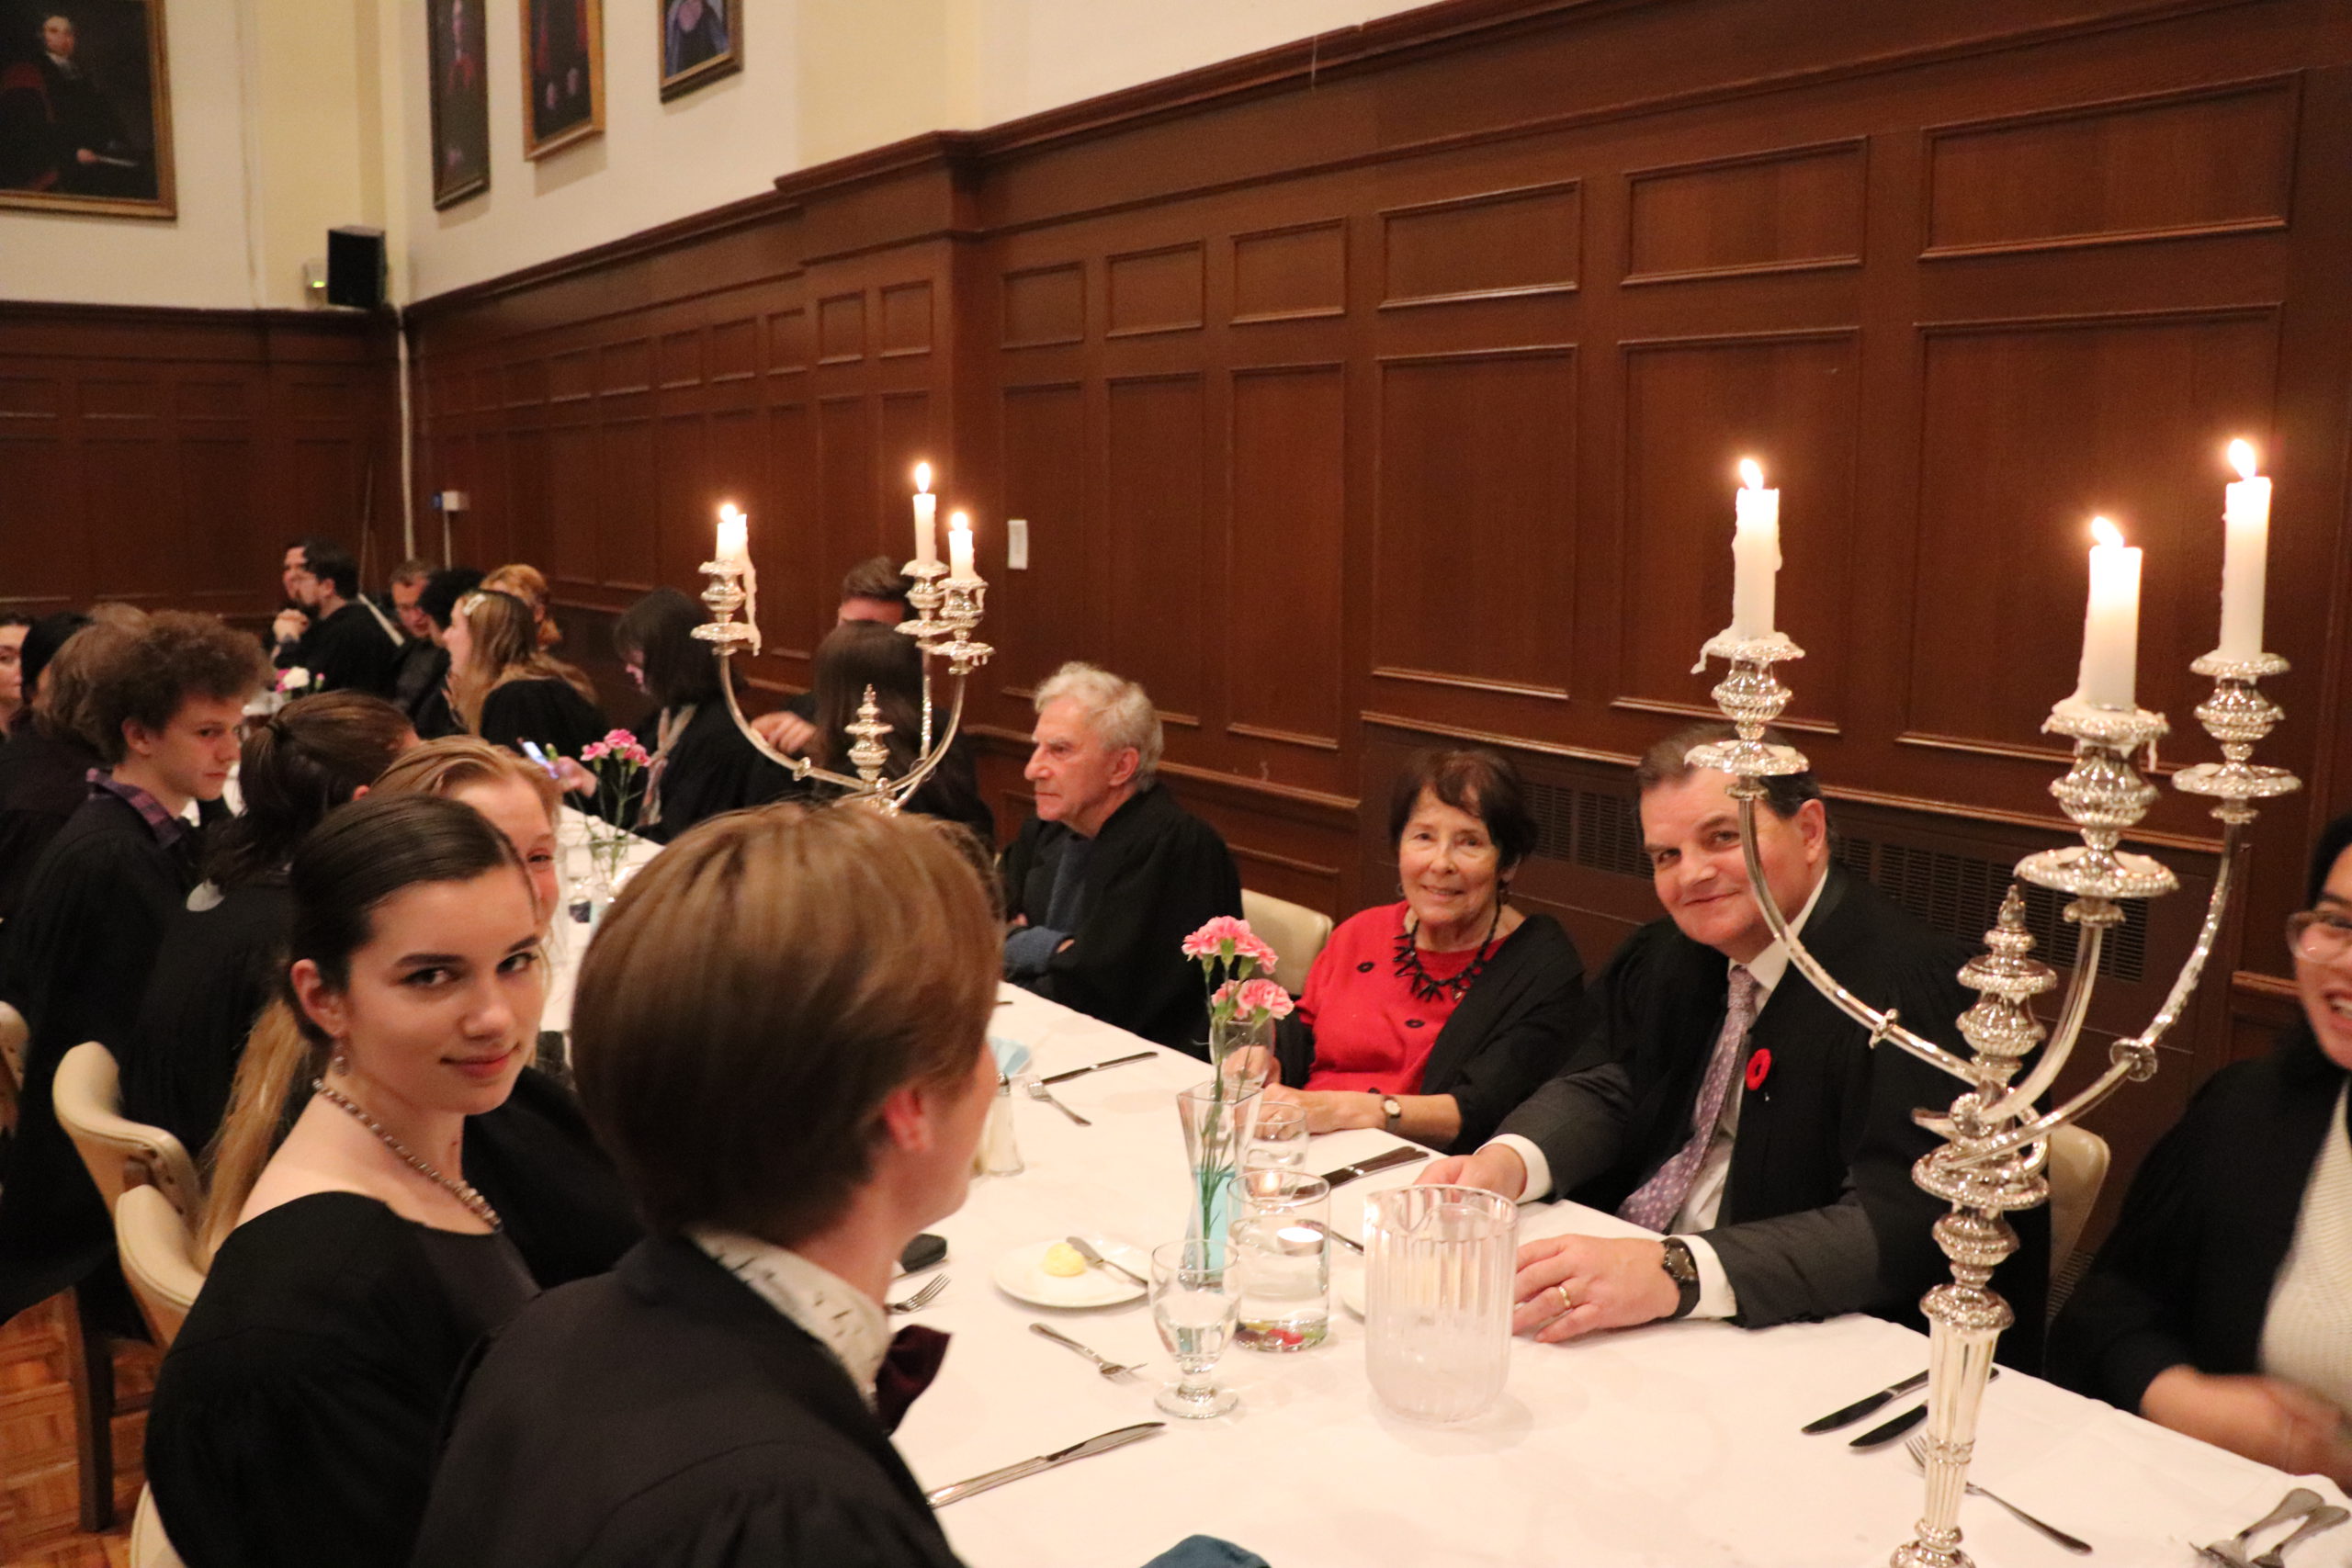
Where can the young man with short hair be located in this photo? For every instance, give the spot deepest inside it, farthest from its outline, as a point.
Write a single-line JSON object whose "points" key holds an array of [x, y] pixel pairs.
{"points": [[345, 642], [874, 589]]}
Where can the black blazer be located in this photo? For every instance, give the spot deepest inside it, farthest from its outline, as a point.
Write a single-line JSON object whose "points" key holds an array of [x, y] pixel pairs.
{"points": [[664, 1416], [2185, 1275], [1819, 1215], [1508, 1034]]}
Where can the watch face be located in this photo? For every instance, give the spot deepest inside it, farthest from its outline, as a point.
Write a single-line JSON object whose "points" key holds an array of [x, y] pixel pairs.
{"points": [[1679, 1264]]}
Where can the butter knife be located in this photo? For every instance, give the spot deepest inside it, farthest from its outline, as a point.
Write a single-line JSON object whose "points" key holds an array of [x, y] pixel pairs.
{"points": [[1348, 1173], [1098, 1067], [957, 1491], [1861, 1407], [1887, 1431]]}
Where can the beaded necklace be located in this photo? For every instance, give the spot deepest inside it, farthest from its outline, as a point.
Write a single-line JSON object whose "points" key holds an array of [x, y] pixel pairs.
{"points": [[1428, 987], [462, 1191]]}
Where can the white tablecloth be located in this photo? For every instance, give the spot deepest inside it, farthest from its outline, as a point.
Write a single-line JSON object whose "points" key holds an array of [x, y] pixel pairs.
{"points": [[567, 938], [1674, 1445]]}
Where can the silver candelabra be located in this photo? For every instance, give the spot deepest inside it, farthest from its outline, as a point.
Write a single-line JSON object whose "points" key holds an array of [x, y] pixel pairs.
{"points": [[947, 609], [1996, 1143]]}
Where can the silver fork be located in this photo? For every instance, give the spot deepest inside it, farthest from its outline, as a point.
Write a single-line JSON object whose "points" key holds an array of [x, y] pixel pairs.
{"points": [[1917, 1449], [1039, 1092], [922, 1298], [2321, 1520], [1109, 1368]]}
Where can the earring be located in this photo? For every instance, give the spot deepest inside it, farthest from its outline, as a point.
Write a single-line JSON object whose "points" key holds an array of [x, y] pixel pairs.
{"points": [[340, 1062]]}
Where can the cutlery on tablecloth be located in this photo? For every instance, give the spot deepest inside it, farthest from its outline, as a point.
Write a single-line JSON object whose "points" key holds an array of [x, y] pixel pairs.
{"points": [[1886, 1432], [1094, 1259], [2303, 1500], [1103, 1364], [1348, 1173], [939, 1497], [1861, 1407], [1350, 1243], [1097, 1066], [922, 1298], [1038, 1090], [1917, 1449], [2325, 1518]]}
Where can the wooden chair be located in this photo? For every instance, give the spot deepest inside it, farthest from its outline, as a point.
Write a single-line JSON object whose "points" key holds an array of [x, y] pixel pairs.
{"points": [[157, 1246], [1296, 933], [13, 1033], [2078, 1161], [150, 1547]]}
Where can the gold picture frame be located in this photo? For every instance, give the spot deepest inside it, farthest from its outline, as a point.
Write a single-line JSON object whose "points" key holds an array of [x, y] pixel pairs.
{"points": [[563, 73], [458, 96], [701, 40], [85, 109]]}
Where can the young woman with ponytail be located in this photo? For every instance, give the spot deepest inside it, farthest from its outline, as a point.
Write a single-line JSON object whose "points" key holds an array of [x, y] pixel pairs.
{"points": [[294, 1417], [506, 688]]}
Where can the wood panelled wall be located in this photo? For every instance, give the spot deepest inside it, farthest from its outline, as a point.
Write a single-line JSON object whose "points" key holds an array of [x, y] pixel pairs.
{"points": [[1390, 393], [163, 457]]}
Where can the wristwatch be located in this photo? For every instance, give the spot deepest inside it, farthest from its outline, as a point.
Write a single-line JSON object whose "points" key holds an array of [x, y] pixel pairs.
{"points": [[1683, 1269], [1392, 1110]]}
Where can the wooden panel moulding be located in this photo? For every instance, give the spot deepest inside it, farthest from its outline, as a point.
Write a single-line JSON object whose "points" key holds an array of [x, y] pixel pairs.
{"points": [[1288, 275], [1475, 506], [1051, 612], [2121, 416], [907, 438], [527, 383], [840, 329], [785, 546], [1155, 449], [847, 475], [572, 375], [788, 341], [1286, 554], [2215, 160], [1157, 290], [735, 349], [1792, 209], [624, 367], [1526, 240], [681, 358], [906, 320], [1693, 408], [625, 504], [1043, 306]]}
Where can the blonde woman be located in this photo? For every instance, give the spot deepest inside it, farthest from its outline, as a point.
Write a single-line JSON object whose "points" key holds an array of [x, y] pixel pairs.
{"points": [[506, 690], [529, 584]]}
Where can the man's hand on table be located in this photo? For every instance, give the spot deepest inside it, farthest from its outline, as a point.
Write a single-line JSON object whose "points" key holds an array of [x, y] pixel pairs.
{"points": [[1495, 1169], [1612, 1283], [2267, 1419]]}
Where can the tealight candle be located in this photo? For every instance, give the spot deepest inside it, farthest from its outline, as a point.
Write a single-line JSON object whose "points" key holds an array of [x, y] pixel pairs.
{"points": [[2246, 519], [2112, 621]]}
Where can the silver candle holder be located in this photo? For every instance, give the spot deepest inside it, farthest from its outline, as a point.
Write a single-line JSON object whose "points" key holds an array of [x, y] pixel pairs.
{"points": [[947, 609], [1996, 1145]]}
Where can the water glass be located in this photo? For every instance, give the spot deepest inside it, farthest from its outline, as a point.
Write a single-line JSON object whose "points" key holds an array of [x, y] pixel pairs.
{"points": [[1281, 1136], [1194, 1301], [1438, 1268], [1281, 1244]]}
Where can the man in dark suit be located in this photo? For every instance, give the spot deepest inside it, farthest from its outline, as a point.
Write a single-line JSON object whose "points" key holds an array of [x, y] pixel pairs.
{"points": [[343, 641], [1721, 1099]]}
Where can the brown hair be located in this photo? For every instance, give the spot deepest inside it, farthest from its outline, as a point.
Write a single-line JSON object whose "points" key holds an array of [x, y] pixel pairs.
{"points": [[445, 766], [295, 766], [754, 994], [853, 656], [1668, 762], [878, 578], [416, 568], [178, 655], [529, 584], [63, 709], [1475, 779], [505, 648]]}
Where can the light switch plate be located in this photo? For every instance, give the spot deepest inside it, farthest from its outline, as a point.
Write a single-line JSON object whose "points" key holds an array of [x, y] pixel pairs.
{"points": [[1016, 544]]}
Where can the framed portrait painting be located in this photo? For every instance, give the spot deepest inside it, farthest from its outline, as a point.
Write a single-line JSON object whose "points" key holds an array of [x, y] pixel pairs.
{"points": [[85, 108], [701, 41], [461, 101], [563, 73]]}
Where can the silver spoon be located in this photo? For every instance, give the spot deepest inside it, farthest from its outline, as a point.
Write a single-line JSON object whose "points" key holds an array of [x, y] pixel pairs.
{"points": [[1109, 1368], [1917, 1449]]}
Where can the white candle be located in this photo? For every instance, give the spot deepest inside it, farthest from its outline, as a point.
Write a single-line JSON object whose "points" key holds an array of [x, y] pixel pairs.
{"points": [[1754, 554], [959, 547], [926, 516], [2245, 518], [2111, 622], [734, 541]]}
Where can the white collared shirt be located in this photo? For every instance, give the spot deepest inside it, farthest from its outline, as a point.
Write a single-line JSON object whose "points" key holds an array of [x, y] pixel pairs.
{"points": [[836, 1313], [1716, 1298]]}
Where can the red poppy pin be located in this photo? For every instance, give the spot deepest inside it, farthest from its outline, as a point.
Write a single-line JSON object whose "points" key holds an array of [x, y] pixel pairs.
{"points": [[1760, 1067]]}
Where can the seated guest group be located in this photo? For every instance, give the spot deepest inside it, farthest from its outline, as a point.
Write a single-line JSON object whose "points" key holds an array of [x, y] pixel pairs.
{"points": [[460, 1310]]}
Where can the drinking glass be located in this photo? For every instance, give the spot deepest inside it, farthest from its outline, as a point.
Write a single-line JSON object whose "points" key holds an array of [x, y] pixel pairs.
{"points": [[1282, 1244], [1438, 1268], [1281, 1136], [1193, 1303]]}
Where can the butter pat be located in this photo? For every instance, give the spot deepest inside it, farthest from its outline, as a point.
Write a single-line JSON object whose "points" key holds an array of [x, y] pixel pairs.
{"points": [[1062, 1261]]}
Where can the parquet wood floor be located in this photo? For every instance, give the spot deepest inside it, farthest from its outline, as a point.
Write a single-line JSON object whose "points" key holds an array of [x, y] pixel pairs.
{"points": [[39, 1528]]}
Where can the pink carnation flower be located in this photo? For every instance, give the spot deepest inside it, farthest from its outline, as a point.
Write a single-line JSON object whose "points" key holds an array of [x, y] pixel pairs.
{"points": [[594, 751], [1205, 942], [1264, 996]]}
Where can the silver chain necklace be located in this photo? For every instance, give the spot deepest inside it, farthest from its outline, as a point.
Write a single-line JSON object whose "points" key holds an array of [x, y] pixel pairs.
{"points": [[462, 1191]]}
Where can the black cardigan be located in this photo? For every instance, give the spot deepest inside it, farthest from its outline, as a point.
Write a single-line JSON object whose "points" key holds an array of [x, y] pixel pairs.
{"points": [[2186, 1277], [1509, 1034]]}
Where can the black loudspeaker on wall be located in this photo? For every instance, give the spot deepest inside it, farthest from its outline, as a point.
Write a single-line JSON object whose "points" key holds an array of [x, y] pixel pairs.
{"points": [[355, 269]]}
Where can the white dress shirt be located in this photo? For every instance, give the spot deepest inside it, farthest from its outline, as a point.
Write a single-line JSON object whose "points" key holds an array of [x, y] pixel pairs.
{"points": [[1716, 1298], [836, 1313]]}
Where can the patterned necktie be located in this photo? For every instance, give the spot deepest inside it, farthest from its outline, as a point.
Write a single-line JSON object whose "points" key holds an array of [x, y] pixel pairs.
{"points": [[1656, 1202]]}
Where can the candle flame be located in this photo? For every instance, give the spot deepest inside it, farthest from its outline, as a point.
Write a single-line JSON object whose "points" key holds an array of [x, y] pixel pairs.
{"points": [[1751, 473], [2106, 532], [959, 520], [727, 509], [2241, 458], [923, 477]]}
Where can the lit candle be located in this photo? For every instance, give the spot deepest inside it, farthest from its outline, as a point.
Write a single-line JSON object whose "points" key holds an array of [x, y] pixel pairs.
{"points": [[2245, 516], [926, 514], [734, 542], [1754, 554], [2111, 622], [959, 547]]}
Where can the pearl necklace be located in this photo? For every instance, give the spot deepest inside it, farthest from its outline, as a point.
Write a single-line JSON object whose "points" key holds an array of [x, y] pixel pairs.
{"points": [[462, 1191]]}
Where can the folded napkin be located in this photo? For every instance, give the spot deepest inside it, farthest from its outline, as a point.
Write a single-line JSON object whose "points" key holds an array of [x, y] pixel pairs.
{"points": [[1206, 1551], [1012, 1055]]}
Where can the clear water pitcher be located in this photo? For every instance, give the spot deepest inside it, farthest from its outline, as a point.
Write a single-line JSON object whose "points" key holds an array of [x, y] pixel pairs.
{"points": [[1438, 1268]]}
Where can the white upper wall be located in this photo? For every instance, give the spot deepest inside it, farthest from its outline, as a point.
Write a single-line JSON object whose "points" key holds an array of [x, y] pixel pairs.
{"points": [[293, 115]]}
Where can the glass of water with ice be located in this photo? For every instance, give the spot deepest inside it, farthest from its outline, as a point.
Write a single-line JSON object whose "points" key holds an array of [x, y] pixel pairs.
{"points": [[1194, 1299]]}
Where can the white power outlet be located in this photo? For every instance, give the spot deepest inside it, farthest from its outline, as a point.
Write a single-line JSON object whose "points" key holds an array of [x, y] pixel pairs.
{"points": [[1016, 544]]}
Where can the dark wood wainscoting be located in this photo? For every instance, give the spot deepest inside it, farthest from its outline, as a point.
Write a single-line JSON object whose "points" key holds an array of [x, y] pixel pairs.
{"points": [[1388, 392], [164, 457]]}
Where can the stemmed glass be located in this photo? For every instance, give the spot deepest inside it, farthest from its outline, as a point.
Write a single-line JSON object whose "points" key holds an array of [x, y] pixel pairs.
{"points": [[1195, 1298]]}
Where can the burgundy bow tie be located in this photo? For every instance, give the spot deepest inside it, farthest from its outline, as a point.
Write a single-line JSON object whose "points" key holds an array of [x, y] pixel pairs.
{"points": [[913, 1361]]}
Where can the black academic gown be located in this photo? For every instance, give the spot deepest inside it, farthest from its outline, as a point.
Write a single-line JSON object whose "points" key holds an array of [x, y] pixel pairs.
{"points": [[349, 650], [549, 713], [1509, 1034], [1819, 1216], [215, 969], [2186, 1277], [76, 963], [665, 1416], [44, 779], [711, 768], [418, 675], [1158, 873]]}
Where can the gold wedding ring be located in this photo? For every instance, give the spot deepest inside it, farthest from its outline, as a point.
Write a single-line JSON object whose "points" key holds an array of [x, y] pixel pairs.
{"points": [[1568, 1302]]}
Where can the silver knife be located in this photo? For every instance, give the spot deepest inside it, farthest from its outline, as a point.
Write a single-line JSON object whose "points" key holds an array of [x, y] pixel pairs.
{"points": [[1098, 1067], [1348, 1173], [956, 1492], [1861, 1407], [1887, 1431]]}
